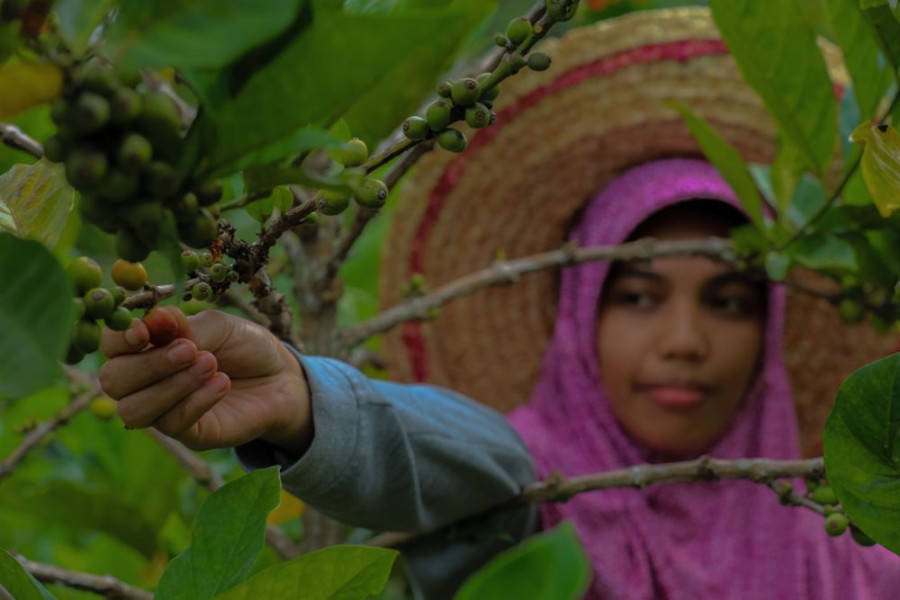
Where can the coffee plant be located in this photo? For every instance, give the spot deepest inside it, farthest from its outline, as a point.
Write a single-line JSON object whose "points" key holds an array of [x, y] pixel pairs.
{"points": [[159, 152]]}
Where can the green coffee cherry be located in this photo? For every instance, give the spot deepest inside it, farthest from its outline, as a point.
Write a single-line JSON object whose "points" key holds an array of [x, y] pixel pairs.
{"points": [[85, 273], [86, 336], [124, 106], [56, 148], [354, 153], [186, 207], [415, 128], [118, 294], [118, 186], [99, 303], [538, 61], [201, 291], [206, 258], [500, 40], [851, 311], [73, 355], [129, 76], [130, 247], [489, 94], [209, 193], [835, 524], [159, 111], [443, 89], [145, 219], [130, 275], [861, 538], [200, 231], [452, 140], [190, 262], [438, 115], [93, 75], [90, 113], [78, 303], [135, 151], [824, 495], [162, 180], [518, 30], [86, 167], [516, 62], [120, 319], [478, 115], [219, 272], [98, 212], [103, 408], [333, 202], [465, 92], [371, 193]]}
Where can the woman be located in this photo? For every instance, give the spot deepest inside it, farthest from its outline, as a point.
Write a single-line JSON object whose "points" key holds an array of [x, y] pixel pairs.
{"points": [[683, 356]]}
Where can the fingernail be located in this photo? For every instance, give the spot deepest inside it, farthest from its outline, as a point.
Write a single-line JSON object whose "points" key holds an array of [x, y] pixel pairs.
{"points": [[132, 337], [180, 353], [202, 366]]}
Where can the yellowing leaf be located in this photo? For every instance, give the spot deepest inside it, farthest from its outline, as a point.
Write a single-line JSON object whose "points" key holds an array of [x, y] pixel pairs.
{"points": [[35, 201], [290, 508], [880, 164], [26, 84]]}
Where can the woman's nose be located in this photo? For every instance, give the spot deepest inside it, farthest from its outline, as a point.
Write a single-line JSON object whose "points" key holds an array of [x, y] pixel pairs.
{"points": [[683, 334]]}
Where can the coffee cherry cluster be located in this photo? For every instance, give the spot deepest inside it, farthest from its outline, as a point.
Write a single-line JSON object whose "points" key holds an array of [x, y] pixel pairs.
{"points": [[471, 100], [96, 305], [120, 143], [369, 193], [211, 276]]}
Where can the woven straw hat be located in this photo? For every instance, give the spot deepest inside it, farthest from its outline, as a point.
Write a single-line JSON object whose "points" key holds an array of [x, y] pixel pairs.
{"points": [[561, 135]]}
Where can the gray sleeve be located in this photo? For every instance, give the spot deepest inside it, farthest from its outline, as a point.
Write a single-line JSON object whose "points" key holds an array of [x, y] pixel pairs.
{"points": [[409, 458]]}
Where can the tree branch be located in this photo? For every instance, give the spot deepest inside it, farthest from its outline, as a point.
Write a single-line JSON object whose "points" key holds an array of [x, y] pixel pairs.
{"points": [[14, 137], [504, 272], [34, 437], [102, 585]]}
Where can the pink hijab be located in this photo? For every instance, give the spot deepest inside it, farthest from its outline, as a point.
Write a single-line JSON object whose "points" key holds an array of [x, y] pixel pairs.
{"points": [[689, 541]]}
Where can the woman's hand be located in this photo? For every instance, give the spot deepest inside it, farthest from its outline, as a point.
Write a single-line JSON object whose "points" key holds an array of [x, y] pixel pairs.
{"points": [[222, 382]]}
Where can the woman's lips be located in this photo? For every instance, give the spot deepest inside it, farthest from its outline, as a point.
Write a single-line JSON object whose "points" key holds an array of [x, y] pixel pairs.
{"points": [[675, 396]]}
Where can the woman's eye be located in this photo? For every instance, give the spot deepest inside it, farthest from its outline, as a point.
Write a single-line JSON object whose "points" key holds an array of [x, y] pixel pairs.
{"points": [[636, 299], [731, 304]]}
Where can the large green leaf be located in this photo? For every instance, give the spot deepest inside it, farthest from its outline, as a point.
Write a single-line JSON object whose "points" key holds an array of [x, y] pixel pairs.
{"points": [[860, 48], [35, 316], [85, 508], [228, 536], [862, 450], [18, 582], [887, 28], [316, 79], [549, 566], [726, 159], [35, 201], [201, 34], [78, 19], [336, 573], [776, 52], [821, 251]]}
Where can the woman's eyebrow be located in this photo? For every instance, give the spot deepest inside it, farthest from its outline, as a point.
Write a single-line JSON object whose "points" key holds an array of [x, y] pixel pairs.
{"points": [[732, 277], [632, 270]]}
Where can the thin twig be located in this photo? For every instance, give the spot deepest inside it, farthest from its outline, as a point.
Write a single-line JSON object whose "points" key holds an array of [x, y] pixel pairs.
{"points": [[34, 437], [14, 137], [102, 585], [504, 272]]}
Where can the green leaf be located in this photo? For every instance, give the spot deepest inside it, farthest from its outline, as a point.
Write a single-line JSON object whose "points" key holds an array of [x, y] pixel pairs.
{"points": [[35, 316], [777, 265], [201, 34], [880, 164], [18, 582], [35, 201], [353, 53], [280, 198], [228, 536], [78, 19], [887, 29], [335, 573], [819, 251], [549, 566], [772, 43], [787, 169], [85, 508], [860, 48], [862, 450], [726, 159]]}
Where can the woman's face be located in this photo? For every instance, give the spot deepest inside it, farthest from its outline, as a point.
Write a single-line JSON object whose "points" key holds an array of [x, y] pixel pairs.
{"points": [[679, 340]]}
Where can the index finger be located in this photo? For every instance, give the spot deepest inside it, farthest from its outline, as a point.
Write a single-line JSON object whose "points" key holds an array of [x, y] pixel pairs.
{"points": [[134, 339]]}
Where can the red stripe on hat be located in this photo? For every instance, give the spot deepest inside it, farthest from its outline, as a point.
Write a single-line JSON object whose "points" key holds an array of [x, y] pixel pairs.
{"points": [[682, 51]]}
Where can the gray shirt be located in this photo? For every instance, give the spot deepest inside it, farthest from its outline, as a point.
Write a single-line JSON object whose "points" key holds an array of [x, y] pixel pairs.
{"points": [[408, 458]]}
